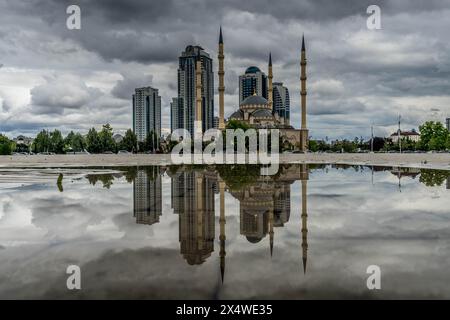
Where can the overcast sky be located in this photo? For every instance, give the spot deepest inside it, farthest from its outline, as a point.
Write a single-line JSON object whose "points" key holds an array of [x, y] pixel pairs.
{"points": [[52, 77]]}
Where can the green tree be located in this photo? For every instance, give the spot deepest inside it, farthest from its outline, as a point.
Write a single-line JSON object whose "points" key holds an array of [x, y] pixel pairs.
{"points": [[433, 136], [93, 141], [5, 145], [106, 139], [56, 142], [129, 141], [42, 143]]}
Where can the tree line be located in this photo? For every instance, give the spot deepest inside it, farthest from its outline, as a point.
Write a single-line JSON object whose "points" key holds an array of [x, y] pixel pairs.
{"points": [[94, 141], [433, 137]]}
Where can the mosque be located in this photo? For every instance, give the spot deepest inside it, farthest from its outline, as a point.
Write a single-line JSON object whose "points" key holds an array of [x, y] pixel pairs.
{"points": [[257, 112]]}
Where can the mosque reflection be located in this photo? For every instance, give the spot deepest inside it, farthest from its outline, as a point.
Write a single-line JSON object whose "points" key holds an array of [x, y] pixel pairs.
{"points": [[264, 204], [264, 201]]}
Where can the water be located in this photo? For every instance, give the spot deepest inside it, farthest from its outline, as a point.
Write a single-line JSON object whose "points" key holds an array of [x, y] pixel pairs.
{"points": [[158, 232]]}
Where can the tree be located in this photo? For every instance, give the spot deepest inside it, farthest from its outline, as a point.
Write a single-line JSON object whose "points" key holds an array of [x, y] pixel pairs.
{"points": [[78, 143], [93, 141], [5, 145], [42, 142], [106, 138], [433, 136], [56, 142], [129, 141]]}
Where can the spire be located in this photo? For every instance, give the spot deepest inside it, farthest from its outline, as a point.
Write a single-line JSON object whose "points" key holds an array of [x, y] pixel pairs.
{"points": [[220, 36], [304, 265], [303, 43], [270, 59]]}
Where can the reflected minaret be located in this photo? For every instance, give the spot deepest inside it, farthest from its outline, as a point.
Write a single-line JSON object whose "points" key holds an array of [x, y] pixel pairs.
{"points": [[271, 233], [147, 198], [304, 216], [222, 236]]}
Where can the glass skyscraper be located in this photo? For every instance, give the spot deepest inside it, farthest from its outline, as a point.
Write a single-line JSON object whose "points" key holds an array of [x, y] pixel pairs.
{"points": [[253, 81], [186, 88]]}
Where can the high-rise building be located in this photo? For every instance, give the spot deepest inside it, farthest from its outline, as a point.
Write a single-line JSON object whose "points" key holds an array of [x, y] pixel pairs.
{"points": [[146, 112], [216, 123], [187, 88], [147, 197], [447, 121], [193, 201], [176, 117], [281, 102], [254, 81]]}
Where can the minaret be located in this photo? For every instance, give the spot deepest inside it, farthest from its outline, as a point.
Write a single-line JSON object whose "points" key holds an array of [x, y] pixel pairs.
{"points": [[221, 83], [304, 216], [222, 222], [270, 90], [198, 93], [304, 130]]}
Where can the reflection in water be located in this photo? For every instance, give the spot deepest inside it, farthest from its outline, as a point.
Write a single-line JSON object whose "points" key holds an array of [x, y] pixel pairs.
{"points": [[264, 203], [147, 195], [227, 221]]}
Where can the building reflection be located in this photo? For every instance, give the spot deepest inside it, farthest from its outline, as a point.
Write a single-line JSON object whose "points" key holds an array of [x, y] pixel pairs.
{"points": [[193, 200], [147, 197], [264, 205]]}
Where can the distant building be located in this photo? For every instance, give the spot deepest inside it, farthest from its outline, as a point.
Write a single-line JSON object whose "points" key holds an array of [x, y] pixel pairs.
{"points": [[146, 112], [22, 140], [117, 138], [447, 122], [186, 88], [411, 135], [254, 81], [281, 102], [216, 122], [176, 117]]}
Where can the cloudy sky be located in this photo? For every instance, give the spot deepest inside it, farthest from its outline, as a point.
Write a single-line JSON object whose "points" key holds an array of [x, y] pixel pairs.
{"points": [[52, 77]]}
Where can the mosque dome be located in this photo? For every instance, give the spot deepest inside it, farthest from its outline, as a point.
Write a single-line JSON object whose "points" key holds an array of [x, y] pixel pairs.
{"points": [[238, 115], [252, 69], [255, 100], [262, 113], [253, 239]]}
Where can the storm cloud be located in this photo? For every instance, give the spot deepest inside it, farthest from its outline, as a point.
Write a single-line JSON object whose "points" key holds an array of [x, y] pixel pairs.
{"points": [[76, 79]]}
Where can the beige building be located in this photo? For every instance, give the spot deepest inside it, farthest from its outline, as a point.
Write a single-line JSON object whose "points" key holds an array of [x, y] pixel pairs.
{"points": [[411, 135]]}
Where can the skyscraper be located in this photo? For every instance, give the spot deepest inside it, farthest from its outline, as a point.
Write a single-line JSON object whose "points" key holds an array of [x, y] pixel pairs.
{"points": [[176, 118], [447, 121], [253, 81], [186, 110], [281, 102], [146, 112]]}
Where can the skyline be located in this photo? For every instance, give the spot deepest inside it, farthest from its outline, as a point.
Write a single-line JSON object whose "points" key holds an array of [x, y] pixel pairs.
{"points": [[69, 79]]}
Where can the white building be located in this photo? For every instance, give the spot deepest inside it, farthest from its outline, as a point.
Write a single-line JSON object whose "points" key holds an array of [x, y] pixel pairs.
{"points": [[146, 112], [411, 135]]}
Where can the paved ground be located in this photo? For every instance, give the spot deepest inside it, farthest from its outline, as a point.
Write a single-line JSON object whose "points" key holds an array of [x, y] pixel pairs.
{"points": [[421, 160]]}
